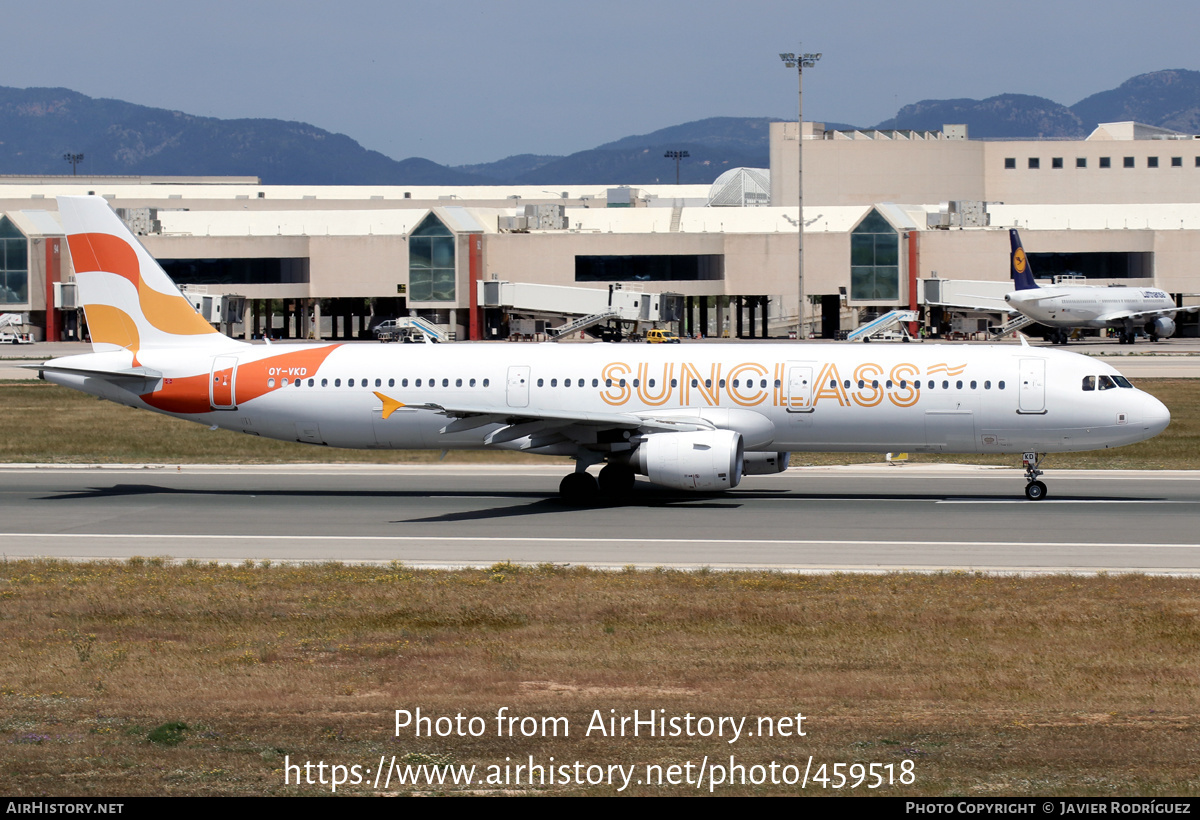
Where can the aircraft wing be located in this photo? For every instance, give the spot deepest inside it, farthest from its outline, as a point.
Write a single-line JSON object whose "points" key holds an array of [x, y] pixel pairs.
{"points": [[1146, 315], [522, 421]]}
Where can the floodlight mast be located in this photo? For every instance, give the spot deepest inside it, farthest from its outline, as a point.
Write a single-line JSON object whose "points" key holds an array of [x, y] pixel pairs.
{"points": [[800, 62], [676, 155]]}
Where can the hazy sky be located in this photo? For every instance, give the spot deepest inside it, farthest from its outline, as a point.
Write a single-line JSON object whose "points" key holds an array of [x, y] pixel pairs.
{"points": [[478, 80]]}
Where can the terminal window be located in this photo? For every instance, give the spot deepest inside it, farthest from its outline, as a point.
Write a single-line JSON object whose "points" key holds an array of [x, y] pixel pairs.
{"points": [[1151, 162], [1080, 162], [1128, 162], [1034, 162], [431, 262], [1056, 162], [874, 260], [1106, 162], [1176, 162], [1011, 162], [650, 268], [14, 264]]}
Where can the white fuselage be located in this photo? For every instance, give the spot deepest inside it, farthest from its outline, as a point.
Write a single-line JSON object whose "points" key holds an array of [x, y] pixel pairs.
{"points": [[781, 397], [1083, 306]]}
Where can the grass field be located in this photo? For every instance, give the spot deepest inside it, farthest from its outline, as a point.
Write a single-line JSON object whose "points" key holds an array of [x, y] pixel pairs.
{"points": [[148, 678], [46, 423]]}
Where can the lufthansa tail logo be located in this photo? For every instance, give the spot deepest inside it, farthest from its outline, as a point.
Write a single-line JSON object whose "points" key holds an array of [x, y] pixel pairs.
{"points": [[1018, 260]]}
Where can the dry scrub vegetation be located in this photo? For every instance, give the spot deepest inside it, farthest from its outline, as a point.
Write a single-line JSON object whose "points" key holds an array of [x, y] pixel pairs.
{"points": [[146, 677], [46, 423]]}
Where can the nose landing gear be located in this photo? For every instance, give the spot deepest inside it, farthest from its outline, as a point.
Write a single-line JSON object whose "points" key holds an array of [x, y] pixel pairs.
{"points": [[1034, 490]]}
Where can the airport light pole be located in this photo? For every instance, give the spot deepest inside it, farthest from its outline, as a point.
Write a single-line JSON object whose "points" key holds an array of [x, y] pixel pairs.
{"points": [[800, 62], [677, 155], [74, 159]]}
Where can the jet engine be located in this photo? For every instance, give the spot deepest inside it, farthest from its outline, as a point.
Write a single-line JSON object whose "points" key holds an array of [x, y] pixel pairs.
{"points": [[765, 463], [703, 460], [1161, 328]]}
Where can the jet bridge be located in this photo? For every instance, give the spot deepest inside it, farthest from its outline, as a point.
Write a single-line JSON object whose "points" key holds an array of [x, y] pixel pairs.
{"points": [[624, 306]]}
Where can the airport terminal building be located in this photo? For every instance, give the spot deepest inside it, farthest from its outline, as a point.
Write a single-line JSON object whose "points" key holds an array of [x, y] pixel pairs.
{"points": [[889, 217]]}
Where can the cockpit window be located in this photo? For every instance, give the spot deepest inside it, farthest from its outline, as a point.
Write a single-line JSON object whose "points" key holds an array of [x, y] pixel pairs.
{"points": [[1089, 382], [1106, 383], [1122, 382]]}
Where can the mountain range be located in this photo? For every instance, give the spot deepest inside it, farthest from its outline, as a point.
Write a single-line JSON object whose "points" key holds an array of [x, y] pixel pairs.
{"points": [[39, 125]]}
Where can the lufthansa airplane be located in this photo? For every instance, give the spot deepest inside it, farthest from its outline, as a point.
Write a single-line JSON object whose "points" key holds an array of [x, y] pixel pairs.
{"points": [[1062, 307], [690, 417]]}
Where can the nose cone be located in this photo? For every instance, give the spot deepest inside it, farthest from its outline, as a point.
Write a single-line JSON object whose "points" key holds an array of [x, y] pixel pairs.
{"points": [[1155, 415]]}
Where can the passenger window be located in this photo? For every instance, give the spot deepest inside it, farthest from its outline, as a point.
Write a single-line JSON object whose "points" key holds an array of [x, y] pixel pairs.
{"points": [[722, 383], [404, 382], [973, 384], [1000, 385], [674, 383], [595, 382], [445, 382], [554, 383], [486, 382], [650, 383], [861, 384], [324, 382], [832, 382], [847, 384], [311, 382], [695, 382], [888, 384], [636, 383], [297, 382], [418, 383], [350, 383], [987, 385], [472, 383], [566, 382], [621, 383], [1089, 383], [736, 383], [608, 382], [958, 384], [270, 382], [946, 385], [378, 383], [874, 384], [391, 382], [540, 383], [762, 383], [337, 382], [708, 383], [458, 382]]}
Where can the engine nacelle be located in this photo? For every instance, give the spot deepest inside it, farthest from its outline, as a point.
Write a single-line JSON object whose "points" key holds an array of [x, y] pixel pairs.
{"points": [[704, 460], [1161, 328], [764, 463]]}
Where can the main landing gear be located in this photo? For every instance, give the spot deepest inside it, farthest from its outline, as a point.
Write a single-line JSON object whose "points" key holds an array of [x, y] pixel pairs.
{"points": [[1034, 490], [614, 482]]}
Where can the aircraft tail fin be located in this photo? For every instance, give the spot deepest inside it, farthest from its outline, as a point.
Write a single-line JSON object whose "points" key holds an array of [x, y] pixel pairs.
{"points": [[1019, 268], [129, 300]]}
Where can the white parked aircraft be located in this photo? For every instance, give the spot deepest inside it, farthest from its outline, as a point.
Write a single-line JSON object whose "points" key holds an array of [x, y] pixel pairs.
{"points": [[691, 417], [1062, 307]]}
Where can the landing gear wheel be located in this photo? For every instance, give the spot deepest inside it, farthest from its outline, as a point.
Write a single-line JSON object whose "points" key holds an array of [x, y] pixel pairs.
{"points": [[1034, 489], [577, 488], [616, 480]]}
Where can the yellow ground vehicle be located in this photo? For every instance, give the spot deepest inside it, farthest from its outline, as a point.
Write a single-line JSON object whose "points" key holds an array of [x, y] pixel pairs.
{"points": [[666, 337]]}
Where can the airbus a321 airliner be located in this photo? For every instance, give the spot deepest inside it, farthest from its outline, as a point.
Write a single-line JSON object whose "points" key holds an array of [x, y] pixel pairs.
{"points": [[690, 417]]}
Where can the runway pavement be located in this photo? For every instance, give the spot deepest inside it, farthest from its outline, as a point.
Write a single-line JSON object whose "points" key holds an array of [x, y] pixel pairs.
{"points": [[873, 518]]}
